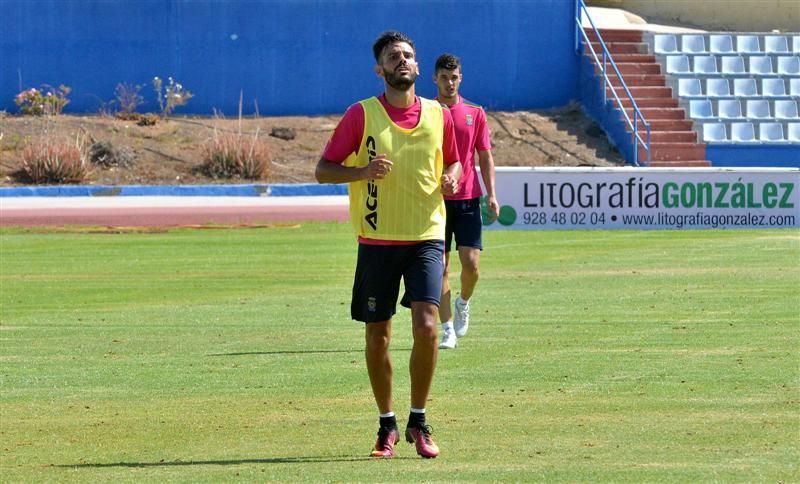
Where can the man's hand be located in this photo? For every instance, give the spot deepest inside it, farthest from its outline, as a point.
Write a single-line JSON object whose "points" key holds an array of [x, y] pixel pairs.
{"points": [[494, 207], [378, 168], [449, 185]]}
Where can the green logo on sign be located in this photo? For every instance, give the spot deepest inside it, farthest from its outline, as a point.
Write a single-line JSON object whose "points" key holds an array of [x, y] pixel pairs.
{"points": [[507, 214]]}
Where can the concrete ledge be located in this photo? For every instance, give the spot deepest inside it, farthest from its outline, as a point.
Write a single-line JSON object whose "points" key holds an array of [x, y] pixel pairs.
{"points": [[256, 190]]}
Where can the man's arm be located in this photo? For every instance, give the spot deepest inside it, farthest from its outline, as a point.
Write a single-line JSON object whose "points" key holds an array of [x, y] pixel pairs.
{"points": [[453, 169], [331, 172], [486, 162], [450, 177]]}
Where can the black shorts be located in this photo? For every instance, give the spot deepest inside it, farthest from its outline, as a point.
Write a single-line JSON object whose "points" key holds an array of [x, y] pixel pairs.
{"points": [[464, 222], [378, 273]]}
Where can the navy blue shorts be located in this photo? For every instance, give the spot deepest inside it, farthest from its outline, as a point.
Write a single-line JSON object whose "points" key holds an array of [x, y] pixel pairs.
{"points": [[464, 222], [378, 273]]}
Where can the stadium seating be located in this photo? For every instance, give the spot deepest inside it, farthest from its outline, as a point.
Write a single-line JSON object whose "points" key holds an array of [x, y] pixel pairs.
{"points": [[786, 109], [793, 132], [721, 44], [776, 44], [747, 44], [738, 88], [770, 132], [743, 132], [714, 132], [773, 87], [729, 109], [789, 65]]}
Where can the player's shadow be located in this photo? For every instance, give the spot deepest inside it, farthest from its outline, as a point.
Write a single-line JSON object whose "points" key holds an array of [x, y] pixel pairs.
{"points": [[179, 463], [301, 352]]}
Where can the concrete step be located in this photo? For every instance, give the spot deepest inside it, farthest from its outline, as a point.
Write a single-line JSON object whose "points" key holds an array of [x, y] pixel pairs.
{"points": [[651, 102], [639, 80], [621, 48], [631, 68], [673, 137], [677, 163], [669, 125], [674, 151], [644, 91], [653, 114], [615, 35], [649, 58]]}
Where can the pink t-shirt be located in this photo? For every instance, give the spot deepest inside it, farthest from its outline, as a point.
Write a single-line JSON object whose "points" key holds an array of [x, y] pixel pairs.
{"points": [[472, 133], [346, 138]]}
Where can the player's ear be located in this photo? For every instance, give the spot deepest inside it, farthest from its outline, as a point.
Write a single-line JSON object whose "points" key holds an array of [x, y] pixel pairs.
{"points": [[378, 70]]}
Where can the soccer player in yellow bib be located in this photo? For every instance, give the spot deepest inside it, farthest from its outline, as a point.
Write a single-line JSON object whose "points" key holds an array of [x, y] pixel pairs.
{"points": [[398, 153]]}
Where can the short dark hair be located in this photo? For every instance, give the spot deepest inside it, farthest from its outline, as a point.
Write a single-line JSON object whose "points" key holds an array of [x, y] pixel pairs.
{"points": [[389, 37], [447, 61]]}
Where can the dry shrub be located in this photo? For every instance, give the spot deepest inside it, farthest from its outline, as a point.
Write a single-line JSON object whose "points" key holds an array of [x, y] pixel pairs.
{"points": [[51, 161], [107, 154], [236, 155]]}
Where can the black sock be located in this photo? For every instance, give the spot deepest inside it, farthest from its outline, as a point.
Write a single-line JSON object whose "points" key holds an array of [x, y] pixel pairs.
{"points": [[416, 419], [389, 422]]}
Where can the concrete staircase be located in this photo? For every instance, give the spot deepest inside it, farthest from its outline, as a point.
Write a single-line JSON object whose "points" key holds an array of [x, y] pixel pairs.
{"points": [[673, 143]]}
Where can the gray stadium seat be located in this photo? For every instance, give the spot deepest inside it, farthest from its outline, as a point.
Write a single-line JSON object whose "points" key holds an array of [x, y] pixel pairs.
{"points": [[758, 109], [761, 64], [714, 132], [786, 109], [793, 132], [747, 44], [716, 87], [665, 44], [733, 65], [693, 44], [742, 132], [773, 86], [677, 64], [729, 109], [720, 44], [775, 44], [700, 109], [789, 65], [689, 88], [770, 132], [745, 87], [794, 86], [705, 64], [796, 44]]}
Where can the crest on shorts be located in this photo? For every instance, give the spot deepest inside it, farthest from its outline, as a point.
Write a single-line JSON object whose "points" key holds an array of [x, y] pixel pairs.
{"points": [[371, 304], [469, 119]]}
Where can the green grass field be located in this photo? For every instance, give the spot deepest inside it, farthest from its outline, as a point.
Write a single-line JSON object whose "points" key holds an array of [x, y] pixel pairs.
{"points": [[229, 355]]}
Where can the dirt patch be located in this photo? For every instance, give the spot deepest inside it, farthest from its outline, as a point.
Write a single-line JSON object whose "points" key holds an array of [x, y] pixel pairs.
{"points": [[171, 151]]}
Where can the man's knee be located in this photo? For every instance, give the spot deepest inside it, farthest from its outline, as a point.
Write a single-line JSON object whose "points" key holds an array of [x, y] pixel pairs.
{"points": [[424, 320], [377, 336]]}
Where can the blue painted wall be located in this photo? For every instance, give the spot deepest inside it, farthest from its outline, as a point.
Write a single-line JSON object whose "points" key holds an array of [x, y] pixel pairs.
{"points": [[291, 56]]}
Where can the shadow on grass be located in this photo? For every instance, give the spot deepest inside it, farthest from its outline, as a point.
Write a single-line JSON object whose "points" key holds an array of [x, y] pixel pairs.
{"points": [[275, 460], [301, 352]]}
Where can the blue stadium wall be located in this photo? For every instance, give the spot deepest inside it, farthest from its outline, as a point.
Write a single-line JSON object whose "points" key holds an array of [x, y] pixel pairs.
{"points": [[288, 56]]}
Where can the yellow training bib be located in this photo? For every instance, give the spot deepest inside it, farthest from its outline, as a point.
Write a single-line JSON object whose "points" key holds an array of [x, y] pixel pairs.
{"points": [[407, 205]]}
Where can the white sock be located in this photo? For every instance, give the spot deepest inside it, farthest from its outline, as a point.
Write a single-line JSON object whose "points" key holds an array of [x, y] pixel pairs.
{"points": [[417, 410], [387, 415], [447, 325]]}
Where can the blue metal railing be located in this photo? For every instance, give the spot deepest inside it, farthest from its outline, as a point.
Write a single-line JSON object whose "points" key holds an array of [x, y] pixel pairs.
{"points": [[580, 8]]}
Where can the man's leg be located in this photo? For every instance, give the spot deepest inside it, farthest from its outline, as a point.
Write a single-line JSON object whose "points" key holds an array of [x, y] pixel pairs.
{"points": [[445, 313], [424, 318], [379, 363], [449, 340], [470, 258], [424, 351]]}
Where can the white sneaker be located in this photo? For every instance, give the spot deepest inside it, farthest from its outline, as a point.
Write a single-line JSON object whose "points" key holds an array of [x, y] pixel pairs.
{"points": [[461, 320], [449, 340]]}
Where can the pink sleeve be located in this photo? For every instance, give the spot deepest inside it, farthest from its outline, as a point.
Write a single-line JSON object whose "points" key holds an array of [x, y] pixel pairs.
{"points": [[449, 148], [346, 138], [482, 140]]}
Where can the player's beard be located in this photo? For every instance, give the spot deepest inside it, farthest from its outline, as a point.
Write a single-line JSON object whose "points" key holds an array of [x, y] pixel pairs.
{"points": [[398, 82]]}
